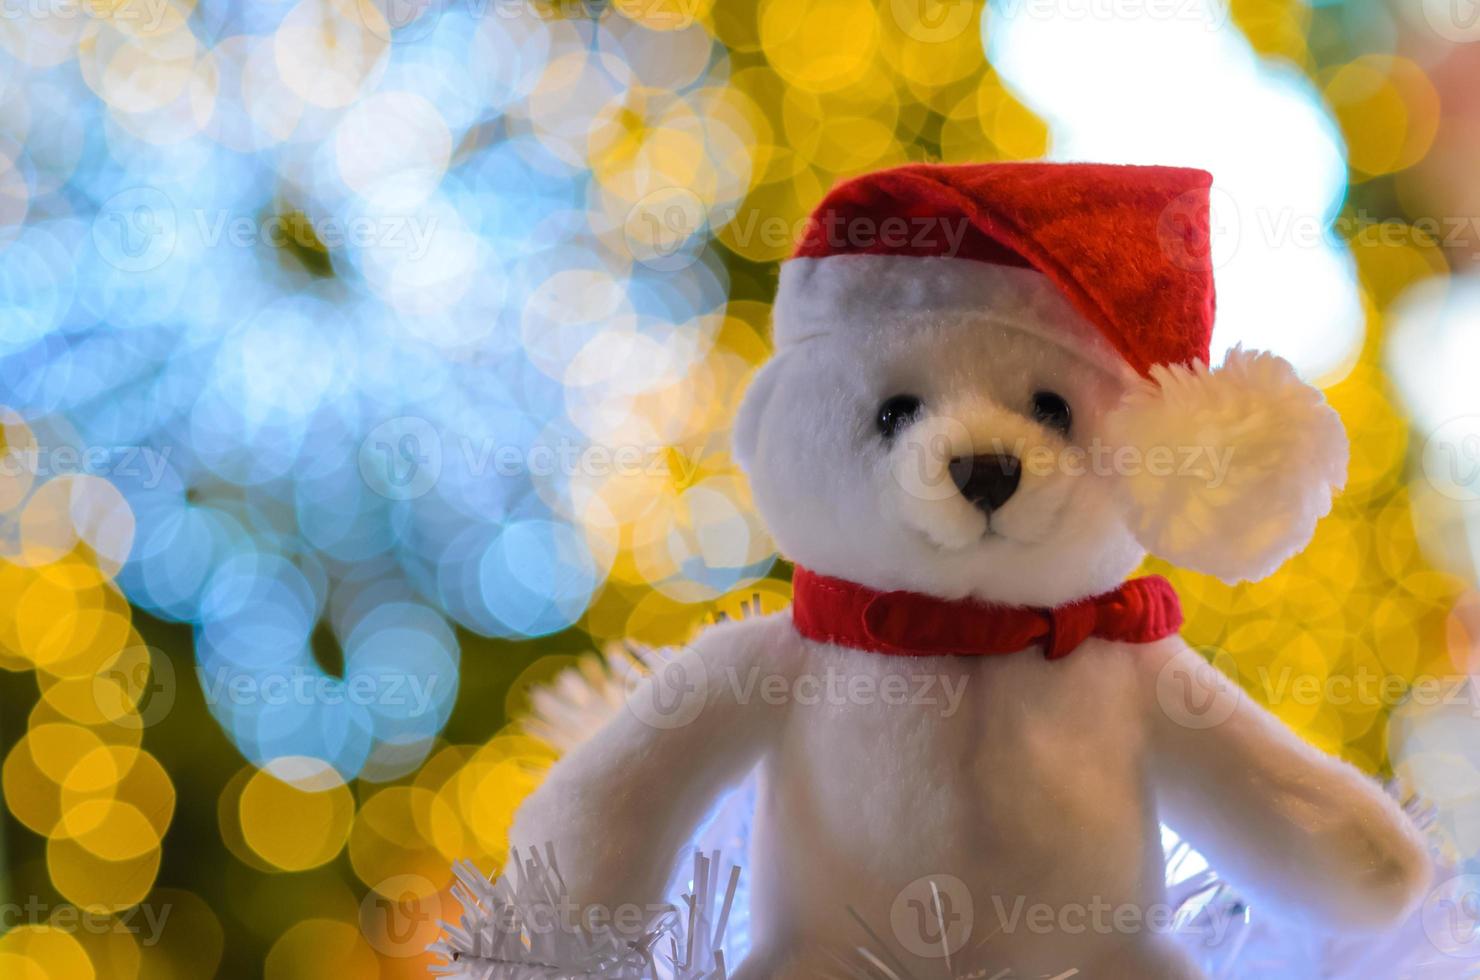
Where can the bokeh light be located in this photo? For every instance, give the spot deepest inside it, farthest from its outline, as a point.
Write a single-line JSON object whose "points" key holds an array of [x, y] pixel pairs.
{"points": [[363, 364]]}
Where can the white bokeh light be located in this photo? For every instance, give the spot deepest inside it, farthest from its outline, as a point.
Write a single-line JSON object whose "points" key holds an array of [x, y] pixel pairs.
{"points": [[1180, 85]]}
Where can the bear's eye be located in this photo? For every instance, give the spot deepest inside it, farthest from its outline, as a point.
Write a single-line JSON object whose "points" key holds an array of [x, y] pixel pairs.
{"points": [[1050, 409], [896, 412]]}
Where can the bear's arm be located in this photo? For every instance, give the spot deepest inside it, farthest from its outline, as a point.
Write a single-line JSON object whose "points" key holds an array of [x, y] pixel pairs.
{"points": [[1287, 824], [620, 806]]}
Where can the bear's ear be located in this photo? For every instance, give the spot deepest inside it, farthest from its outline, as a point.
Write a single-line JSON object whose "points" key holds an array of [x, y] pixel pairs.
{"points": [[1234, 467], [745, 440]]}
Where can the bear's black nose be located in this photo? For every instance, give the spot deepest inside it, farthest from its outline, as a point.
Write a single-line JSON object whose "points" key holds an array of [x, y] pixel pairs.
{"points": [[987, 481]]}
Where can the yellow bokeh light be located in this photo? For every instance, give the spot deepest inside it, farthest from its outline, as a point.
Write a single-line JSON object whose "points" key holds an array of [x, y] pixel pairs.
{"points": [[822, 46], [229, 820], [1388, 110], [58, 748], [841, 137], [118, 774], [1275, 28], [492, 785], [47, 618], [92, 882], [932, 44], [386, 842], [111, 693], [295, 828], [53, 952], [14, 966], [114, 952], [768, 225], [1391, 257], [1377, 457], [319, 948], [110, 829]]}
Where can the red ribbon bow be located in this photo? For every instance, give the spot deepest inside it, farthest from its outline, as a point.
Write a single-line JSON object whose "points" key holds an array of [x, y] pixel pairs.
{"points": [[831, 610]]}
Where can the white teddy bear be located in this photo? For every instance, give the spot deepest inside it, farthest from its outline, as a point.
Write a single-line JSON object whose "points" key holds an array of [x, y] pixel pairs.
{"points": [[989, 399]]}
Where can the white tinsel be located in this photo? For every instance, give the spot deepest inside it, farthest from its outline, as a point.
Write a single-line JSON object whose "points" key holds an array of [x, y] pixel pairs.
{"points": [[514, 929]]}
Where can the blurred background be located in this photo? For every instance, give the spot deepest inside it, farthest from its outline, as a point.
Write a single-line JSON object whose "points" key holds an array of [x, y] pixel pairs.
{"points": [[365, 363]]}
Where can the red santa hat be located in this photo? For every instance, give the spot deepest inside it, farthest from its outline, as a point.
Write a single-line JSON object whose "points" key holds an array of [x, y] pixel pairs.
{"points": [[1113, 262]]}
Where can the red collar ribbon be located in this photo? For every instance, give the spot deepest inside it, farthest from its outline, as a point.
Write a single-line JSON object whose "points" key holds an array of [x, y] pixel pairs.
{"points": [[831, 610]]}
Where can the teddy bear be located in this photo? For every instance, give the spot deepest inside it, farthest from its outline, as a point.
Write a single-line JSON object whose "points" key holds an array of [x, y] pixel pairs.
{"points": [[990, 398]]}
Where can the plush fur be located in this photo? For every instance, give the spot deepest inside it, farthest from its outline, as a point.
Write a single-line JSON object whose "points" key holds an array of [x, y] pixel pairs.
{"points": [[833, 295], [1266, 453], [1036, 784], [889, 515]]}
